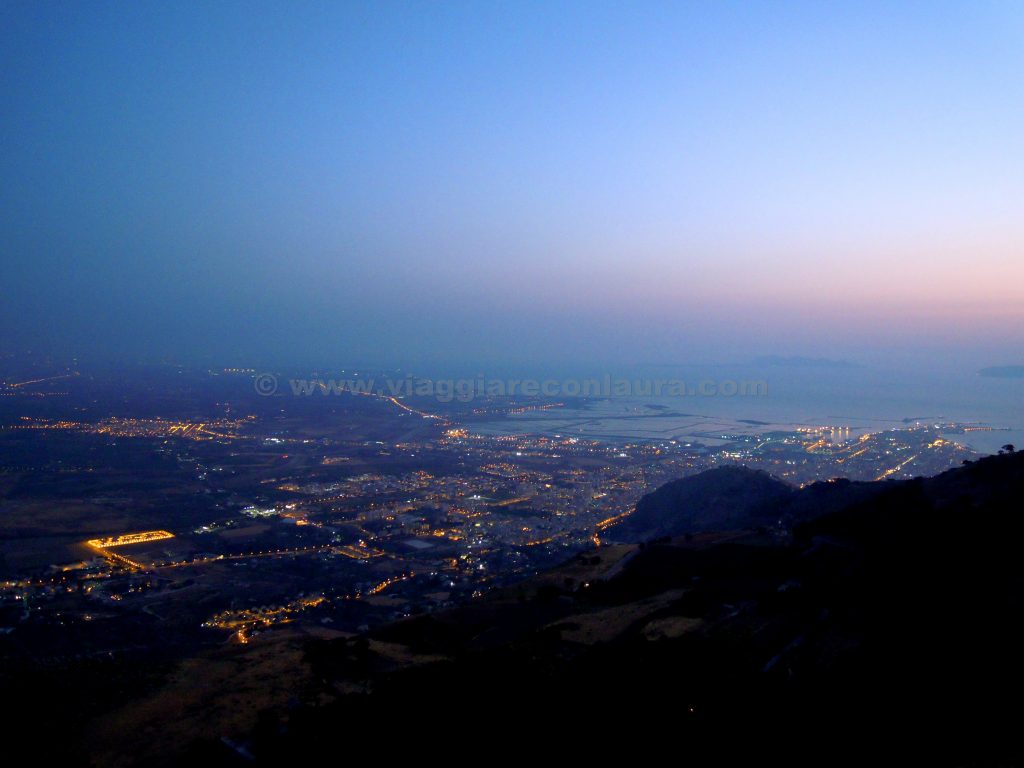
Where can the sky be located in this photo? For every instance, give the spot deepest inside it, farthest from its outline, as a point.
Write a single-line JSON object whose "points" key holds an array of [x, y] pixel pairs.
{"points": [[512, 181]]}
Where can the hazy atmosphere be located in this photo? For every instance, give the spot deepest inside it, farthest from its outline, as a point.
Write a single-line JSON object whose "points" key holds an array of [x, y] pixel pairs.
{"points": [[510, 182], [382, 380]]}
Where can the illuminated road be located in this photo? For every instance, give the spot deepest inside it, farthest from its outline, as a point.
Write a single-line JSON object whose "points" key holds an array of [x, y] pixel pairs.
{"points": [[405, 407], [103, 546], [897, 468], [248, 555], [243, 621], [20, 384]]}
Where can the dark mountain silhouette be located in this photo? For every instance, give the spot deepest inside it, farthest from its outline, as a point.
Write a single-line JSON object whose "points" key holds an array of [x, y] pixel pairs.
{"points": [[726, 498]]}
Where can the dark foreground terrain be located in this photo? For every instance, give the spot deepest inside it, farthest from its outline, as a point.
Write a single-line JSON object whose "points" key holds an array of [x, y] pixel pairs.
{"points": [[895, 613], [867, 622]]}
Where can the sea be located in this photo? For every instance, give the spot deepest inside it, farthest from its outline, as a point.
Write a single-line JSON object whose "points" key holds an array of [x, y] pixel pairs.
{"points": [[711, 407]]}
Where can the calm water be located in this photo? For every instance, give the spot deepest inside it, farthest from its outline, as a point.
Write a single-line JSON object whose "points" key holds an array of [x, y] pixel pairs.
{"points": [[865, 398]]}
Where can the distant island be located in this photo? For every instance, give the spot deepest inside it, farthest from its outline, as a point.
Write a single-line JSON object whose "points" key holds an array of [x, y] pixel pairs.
{"points": [[1003, 372], [803, 362]]}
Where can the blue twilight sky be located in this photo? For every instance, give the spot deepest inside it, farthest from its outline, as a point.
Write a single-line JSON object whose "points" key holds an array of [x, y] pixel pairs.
{"points": [[484, 181]]}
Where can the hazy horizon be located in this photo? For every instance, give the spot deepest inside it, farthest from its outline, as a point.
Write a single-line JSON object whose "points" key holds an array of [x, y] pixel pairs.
{"points": [[513, 184]]}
